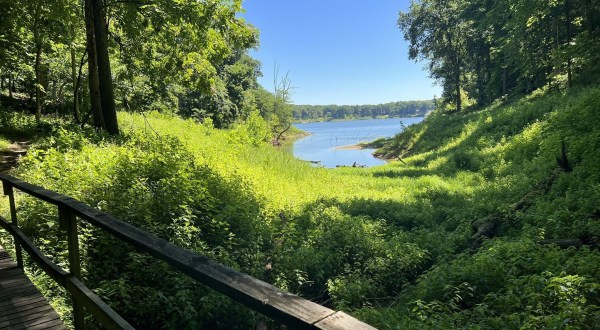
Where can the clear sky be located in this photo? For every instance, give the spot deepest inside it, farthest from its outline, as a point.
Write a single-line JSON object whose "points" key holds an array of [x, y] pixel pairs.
{"points": [[338, 51]]}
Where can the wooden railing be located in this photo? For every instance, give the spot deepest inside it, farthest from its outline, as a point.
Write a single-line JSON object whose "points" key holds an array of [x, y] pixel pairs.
{"points": [[279, 305]]}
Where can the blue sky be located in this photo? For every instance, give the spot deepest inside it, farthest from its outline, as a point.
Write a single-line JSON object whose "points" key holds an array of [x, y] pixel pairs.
{"points": [[338, 51]]}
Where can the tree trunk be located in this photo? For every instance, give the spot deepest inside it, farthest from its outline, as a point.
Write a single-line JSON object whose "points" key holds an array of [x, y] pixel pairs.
{"points": [[75, 87], [504, 81], [107, 97], [11, 85], [458, 100], [589, 11], [54, 91], [488, 65], [60, 94], [569, 60], [38, 62], [95, 104]]}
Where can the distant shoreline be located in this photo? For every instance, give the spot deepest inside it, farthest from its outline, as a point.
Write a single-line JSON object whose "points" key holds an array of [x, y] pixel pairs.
{"points": [[359, 146], [322, 120]]}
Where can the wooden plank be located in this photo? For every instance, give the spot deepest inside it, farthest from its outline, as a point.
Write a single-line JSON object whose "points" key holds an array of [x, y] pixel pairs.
{"points": [[29, 321], [9, 280], [21, 283], [101, 311], [21, 300], [26, 314], [41, 324], [7, 293], [52, 325], [6, 283], [341, 320], [12, 271], [57, 273], [258, 295], [9, 191], [68, 222], [22, 306]]}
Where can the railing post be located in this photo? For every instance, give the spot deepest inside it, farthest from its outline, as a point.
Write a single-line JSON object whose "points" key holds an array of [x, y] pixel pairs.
{"points": [[68, 222], [9, 191]]}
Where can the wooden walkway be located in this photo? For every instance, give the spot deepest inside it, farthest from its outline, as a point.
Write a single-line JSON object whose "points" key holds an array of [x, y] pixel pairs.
{"points": [[21, 304]]}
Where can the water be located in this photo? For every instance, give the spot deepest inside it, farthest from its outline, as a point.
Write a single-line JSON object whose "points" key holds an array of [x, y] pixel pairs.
{"points": [[326, 138]]}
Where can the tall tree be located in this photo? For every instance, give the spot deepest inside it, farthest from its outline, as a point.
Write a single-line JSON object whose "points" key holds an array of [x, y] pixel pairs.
{"points": [[107, 97], [437, 33], [93, 82]]}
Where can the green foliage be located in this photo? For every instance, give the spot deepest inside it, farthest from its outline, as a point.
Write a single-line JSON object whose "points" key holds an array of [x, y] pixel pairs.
{"points": [[476, 49], [189, 57], [341, 112], [255, 131], [388, 244]]}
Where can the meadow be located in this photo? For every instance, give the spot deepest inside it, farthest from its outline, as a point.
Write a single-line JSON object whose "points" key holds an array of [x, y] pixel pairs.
{"points": [[394, 245]]}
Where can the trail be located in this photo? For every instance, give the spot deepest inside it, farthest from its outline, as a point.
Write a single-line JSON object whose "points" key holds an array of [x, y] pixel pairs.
{"points": [[10, 156]]}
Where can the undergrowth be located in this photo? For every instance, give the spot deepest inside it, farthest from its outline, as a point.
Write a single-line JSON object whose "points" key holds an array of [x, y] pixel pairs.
{"points": [[389, 244]]}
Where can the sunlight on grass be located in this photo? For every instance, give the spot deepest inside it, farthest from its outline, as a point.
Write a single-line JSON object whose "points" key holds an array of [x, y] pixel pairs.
{"points": [[4, 143]]}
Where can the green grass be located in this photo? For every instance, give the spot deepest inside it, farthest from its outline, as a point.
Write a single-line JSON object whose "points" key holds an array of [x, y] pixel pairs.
{"points": [[389, 244], [4, 143]]}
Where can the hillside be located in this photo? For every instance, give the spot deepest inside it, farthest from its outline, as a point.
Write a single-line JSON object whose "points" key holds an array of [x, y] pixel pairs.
{"points": [[452, 238], [533, 215]]}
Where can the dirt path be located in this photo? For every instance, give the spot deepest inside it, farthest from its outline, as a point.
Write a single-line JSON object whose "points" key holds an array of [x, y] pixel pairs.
{"points": [[10, 156]]}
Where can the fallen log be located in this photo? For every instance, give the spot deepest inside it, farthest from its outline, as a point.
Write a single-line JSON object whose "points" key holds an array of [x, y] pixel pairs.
{"points": [[488, 226]]}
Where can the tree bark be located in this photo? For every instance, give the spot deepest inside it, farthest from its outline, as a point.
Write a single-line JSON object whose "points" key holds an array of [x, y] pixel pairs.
{"points": [[504, 78], [107, 97], [11, 85], [569, 60], [458, 100], [589, 11], [38, 62], [488, 65], [75, 87], [95, 104]]}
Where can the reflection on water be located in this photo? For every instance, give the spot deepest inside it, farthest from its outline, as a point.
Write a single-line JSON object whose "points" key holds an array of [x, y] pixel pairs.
{"points": [[326, 138]]}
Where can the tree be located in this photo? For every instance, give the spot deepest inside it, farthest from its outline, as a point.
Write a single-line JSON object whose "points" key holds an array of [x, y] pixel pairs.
{"points": [[107, 98], [281, 117], [437, 33], [93, 81]]}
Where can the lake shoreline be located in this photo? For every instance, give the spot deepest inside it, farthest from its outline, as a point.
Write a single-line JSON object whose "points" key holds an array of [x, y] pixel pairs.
{"points": [[367, 145], [330, 120], [345, 143]]}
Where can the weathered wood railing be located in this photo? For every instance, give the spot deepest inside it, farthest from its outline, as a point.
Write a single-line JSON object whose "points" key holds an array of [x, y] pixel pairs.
{"points": [[284, 307]]}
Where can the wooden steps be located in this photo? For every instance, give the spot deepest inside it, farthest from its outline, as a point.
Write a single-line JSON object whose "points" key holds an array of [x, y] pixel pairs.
{"points": [[22, 306]]}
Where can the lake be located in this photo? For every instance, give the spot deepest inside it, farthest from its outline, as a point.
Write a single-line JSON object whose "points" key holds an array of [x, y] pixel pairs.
{"points": [[327, 137]]}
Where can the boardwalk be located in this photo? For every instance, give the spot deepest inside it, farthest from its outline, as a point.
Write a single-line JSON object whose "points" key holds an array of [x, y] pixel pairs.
{"points": [[21, 304], [10, 156]]}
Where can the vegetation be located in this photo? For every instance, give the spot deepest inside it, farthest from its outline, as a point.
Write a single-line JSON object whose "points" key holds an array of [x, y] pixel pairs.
{"points": [[468, 230], [345, 112], [481, 50], [392, 244], [188, 58]]}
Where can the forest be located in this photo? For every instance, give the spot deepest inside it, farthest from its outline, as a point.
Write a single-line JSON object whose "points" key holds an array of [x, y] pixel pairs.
{"points": [[347, 112], [485, 217]]}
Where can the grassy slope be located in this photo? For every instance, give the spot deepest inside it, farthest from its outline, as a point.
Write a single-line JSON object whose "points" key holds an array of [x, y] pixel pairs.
{"points": [[511, 281], [366, 237]]}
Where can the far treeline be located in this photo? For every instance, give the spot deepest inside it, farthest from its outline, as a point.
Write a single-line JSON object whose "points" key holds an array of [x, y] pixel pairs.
{"points": [[338, 112], [482, 50]]}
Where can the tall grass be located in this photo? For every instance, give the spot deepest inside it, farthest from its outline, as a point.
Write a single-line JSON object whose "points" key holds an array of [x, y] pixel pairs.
{"points": [[388, 243]]}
